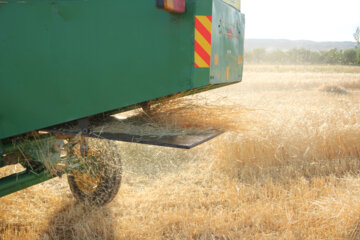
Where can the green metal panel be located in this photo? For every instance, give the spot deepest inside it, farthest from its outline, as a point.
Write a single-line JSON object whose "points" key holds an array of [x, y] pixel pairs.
{"points": [[43, 153], [19, 181], [66, 59], [227, 43], [1, 153]]}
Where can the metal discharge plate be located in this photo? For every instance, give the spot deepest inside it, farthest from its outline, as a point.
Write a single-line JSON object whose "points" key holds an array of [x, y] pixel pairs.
{"points": [[118, 130]]}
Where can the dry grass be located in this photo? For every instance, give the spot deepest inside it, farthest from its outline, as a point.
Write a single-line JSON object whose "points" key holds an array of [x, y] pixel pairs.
{"points": [[179, 116], [198, 113], [295, 176], [302, 68], [334, 89]]}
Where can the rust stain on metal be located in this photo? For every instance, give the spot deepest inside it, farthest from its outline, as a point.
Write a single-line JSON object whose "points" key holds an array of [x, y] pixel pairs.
{"points": [[227, 73], [239, 59], [216, 59]]}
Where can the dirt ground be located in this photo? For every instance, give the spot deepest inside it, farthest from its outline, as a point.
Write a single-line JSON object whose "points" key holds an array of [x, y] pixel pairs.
{"points": [[291, 172]]}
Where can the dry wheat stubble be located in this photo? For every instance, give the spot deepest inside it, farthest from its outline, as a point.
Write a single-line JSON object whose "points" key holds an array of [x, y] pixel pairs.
{"points": [[294, 175]]}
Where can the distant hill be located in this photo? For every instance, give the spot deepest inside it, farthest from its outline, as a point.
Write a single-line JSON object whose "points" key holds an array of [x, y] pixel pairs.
{"points": [[283, 44]]}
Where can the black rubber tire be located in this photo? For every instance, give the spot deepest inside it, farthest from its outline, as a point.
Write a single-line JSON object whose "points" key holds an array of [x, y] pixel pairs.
{"points": [[110, 180]]}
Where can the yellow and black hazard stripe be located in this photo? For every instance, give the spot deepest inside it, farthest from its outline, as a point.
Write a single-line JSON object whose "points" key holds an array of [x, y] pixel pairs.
{"points": [[203, 26]]}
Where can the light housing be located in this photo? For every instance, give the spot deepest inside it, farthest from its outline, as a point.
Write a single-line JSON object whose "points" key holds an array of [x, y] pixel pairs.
{"points": [[177, 6]]}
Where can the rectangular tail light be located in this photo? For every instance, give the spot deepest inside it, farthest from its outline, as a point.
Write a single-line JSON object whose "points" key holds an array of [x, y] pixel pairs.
{"points": [[177, 6]]}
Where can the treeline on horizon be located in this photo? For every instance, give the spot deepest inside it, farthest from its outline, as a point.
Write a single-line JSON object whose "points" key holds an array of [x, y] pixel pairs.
{"points": [[304, 56]]}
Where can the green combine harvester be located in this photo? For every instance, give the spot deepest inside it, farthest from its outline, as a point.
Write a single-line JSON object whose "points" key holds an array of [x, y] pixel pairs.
{"points": [[66, 65]]}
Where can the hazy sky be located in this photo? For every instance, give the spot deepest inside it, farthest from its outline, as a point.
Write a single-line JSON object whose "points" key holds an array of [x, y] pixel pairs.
{"points": [[318, 20]]}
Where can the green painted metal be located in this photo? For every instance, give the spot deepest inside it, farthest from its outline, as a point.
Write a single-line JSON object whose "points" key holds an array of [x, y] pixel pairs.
{"points": [[63, 60], [9, 148], [228, 30], [1, 153], [19, 181], [42, 150], [42, 154]]}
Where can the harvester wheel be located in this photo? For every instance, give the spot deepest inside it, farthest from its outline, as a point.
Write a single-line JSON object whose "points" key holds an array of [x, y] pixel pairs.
{"points": [[98, 182]]}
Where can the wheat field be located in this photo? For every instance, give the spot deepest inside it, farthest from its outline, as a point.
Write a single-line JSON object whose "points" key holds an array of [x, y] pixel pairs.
{"points": [[290, 170]]}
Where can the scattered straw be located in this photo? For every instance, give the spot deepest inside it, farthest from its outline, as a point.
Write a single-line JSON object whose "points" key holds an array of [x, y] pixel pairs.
{"points": [[178, 116], [295, 177], [196, 113]]}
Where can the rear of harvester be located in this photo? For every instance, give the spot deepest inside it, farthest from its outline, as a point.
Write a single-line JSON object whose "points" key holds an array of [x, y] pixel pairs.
{"points": [[66, 66]]}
